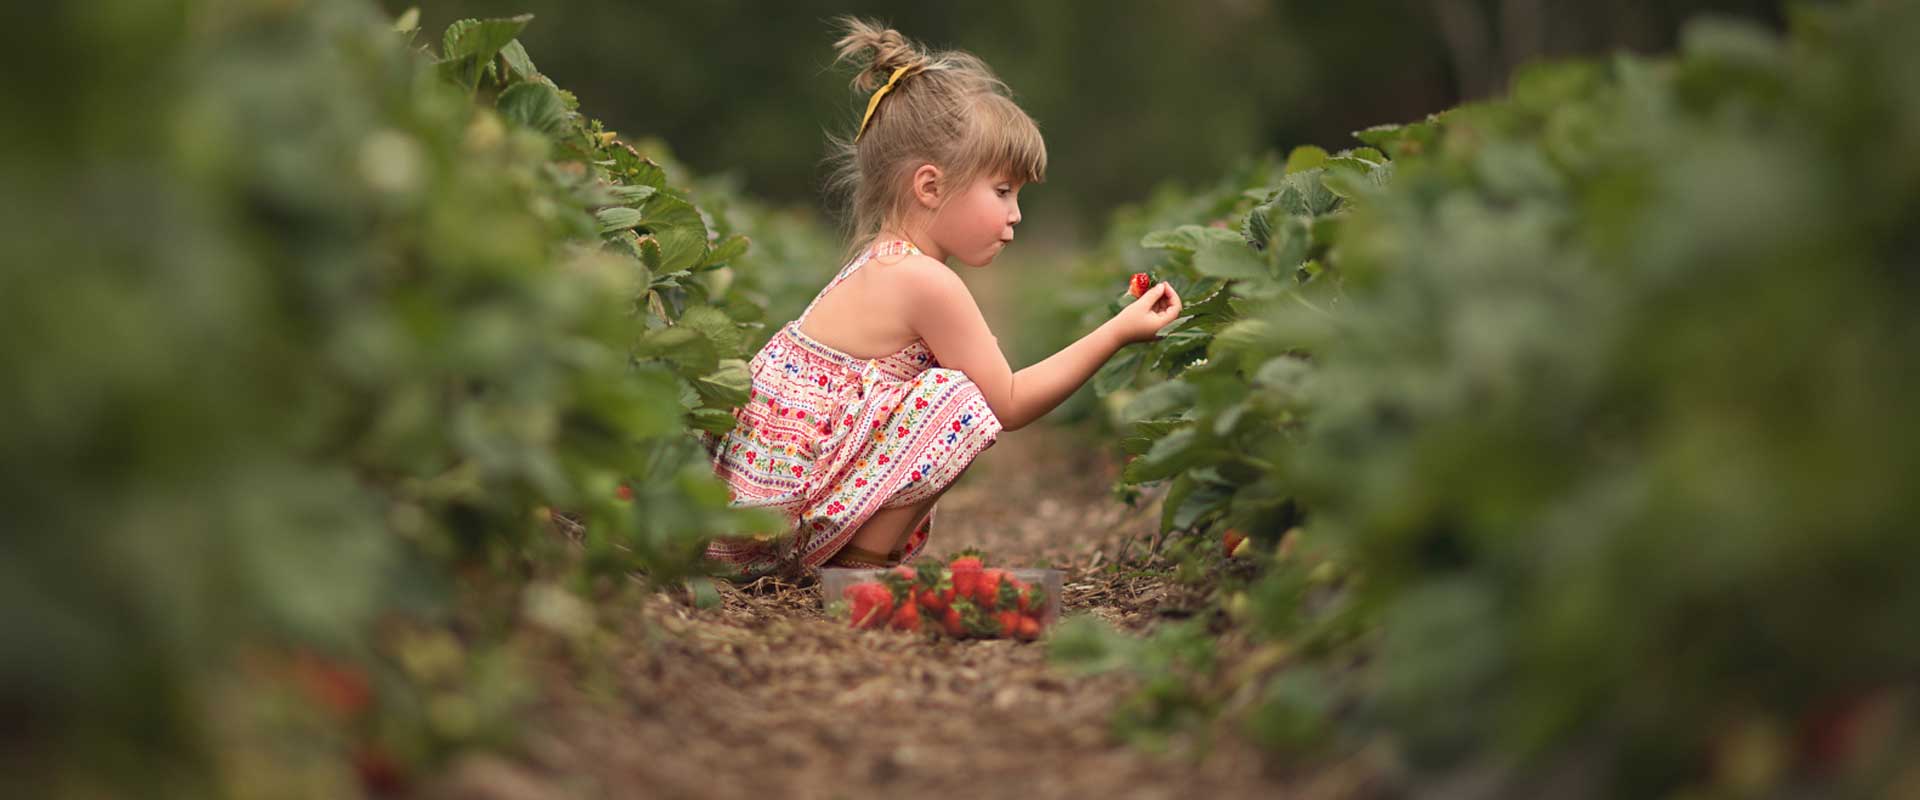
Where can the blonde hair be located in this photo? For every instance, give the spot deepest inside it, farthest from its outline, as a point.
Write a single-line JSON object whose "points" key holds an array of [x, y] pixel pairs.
{"points": [[950, 110]]}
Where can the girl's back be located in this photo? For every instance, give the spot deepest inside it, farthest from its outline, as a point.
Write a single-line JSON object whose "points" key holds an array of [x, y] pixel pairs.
{"points": [[863, 316]]}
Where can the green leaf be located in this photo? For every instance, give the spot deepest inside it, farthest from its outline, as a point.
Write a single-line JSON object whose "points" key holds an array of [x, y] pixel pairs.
{"points": [[1176, 452], [1118, 372], [1144, 433], [535, 105], [1177, 493], [1158, 400], [469, 45], [1257, 228], [518, 61], [1292, 242], [1195, 504], [1305, 157], [632, 195], [692, 352], [727, 386], [478, 38], [727, 250], [1188, 238], [712, 420], [633, 169], [616, 219], [717, 327], [1230, 259], [677, 226], [1368, 154]]}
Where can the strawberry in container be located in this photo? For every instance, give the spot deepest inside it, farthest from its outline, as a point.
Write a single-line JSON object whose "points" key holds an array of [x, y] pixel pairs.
{"points": [[961, 599]]}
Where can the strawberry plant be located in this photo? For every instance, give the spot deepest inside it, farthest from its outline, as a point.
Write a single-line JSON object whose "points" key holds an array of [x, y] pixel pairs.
{"points": [[355, 313], [1564, 434]]}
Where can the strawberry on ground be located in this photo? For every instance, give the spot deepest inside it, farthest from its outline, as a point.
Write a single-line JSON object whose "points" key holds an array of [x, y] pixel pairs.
{"points": [[1231, 541]]}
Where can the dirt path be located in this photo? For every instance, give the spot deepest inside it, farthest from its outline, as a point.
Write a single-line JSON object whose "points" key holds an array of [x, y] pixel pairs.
{"points": [[763, 696]]}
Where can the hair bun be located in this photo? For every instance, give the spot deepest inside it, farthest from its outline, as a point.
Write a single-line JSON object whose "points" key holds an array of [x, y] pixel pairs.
{"points": [[879, 49]]}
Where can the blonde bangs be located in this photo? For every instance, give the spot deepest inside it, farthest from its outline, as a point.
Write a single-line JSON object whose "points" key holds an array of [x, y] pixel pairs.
{"points": [[1005, 143]]}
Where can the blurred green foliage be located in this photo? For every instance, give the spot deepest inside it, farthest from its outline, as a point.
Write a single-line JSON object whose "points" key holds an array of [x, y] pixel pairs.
{"points": [[1591, 399], [310, 326], [1130, 94]]}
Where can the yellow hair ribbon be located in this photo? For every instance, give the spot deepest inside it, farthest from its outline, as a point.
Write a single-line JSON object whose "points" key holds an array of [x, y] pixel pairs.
{"points": [[875, 101]]}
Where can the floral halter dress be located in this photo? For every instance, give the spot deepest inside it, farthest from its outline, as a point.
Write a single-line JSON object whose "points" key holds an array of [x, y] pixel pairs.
{"points": [[827, 439]]}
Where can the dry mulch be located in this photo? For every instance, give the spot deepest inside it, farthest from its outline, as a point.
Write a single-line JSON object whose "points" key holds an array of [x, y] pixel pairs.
{"points": [[764, 696]]}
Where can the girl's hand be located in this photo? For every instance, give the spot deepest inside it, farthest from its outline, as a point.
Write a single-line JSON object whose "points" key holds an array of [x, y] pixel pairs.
{"points": [[1142, 320]]}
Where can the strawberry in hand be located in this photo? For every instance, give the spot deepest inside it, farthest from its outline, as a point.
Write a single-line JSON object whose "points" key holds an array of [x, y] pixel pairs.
{"points": [[1139, 284]]}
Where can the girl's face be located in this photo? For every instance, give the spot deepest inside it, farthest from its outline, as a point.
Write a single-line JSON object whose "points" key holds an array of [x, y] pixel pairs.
{"points": [[978, 223]]}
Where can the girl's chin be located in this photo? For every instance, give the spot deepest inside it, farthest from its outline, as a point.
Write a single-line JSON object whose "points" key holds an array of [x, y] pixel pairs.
{"points": [[993, 251]]}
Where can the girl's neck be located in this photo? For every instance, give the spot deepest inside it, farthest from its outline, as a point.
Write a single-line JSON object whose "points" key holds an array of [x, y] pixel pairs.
{"points": [[926, 245]]}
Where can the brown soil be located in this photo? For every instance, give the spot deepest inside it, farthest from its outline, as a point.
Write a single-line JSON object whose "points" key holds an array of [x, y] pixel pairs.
{"points": [[764, 696]]}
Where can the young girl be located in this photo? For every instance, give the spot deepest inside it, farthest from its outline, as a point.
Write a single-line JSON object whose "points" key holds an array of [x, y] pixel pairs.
{"points": [[866, 408]]}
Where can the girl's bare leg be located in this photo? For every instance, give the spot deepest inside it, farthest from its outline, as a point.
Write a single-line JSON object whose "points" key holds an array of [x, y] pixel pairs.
{"points": [[886, 531]]}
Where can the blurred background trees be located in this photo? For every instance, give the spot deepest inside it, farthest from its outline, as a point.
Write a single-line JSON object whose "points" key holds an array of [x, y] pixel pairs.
{"points": [[1130, 93]]}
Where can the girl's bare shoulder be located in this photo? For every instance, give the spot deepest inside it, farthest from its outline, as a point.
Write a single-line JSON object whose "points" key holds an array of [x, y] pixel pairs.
{"points": [[921, 277]]}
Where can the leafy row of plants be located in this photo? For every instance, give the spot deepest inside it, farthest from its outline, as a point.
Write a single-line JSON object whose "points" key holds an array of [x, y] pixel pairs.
{"points": [[1569, 429], [309, 329]]}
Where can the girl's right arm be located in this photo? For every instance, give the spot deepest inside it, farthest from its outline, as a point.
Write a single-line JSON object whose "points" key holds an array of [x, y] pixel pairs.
{"points": [[945, 316]]}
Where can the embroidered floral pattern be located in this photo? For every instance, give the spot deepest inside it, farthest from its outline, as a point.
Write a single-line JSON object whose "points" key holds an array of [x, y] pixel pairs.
{"points": [[921, 426]]}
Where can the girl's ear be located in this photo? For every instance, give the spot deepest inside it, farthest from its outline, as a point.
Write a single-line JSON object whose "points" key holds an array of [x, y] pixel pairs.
{"points": [[926, 185]]}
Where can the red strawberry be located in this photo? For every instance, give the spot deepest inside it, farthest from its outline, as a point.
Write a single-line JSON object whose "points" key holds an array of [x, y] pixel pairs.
{"points": [[1028, 628], [966, 573], [342, 689], [1139, 284], [1022, 593], [987, 590], [625, 492], [380, 773], [906, 617], [872, 605], [951, 622], [1231, 541], [1009, 622]]}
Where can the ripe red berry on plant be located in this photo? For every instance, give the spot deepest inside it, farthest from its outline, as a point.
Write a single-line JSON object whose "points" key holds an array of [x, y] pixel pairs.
{"points": [[1139, 284]]}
